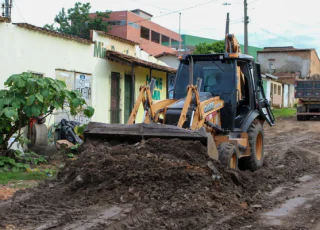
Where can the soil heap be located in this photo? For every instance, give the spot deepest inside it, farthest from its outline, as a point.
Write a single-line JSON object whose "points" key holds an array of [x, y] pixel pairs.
{"points": [[158, 184]]}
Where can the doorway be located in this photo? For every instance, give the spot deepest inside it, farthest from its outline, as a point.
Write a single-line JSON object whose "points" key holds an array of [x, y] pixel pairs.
{"points": [[115, 98], [128, 96]]}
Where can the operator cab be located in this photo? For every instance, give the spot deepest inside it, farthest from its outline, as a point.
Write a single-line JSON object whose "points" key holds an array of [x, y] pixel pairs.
{"points": [[232, 79]]}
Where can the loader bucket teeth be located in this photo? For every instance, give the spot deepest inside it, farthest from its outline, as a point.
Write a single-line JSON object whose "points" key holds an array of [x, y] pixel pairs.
{"points": [[141, 131]]}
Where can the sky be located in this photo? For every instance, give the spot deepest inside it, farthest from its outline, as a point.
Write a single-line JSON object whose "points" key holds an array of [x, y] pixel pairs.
{"points": [[271, 22]]}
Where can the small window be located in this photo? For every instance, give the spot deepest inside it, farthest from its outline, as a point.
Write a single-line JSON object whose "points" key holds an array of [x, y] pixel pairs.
{"points": [[134, 25], [145, 33], [271, 88], [279, 90], [117, 23], [174, 43], [272, 63], [165, 40], [274, 89], [155, 37]]}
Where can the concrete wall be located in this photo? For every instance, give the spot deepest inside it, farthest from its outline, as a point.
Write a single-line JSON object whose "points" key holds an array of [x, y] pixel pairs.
{"points": [[287, 62]]}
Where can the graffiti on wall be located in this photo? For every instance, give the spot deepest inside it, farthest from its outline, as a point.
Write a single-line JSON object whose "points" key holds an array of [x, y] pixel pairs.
{"points": [[83, 85], [158, 87], [171, 79]]}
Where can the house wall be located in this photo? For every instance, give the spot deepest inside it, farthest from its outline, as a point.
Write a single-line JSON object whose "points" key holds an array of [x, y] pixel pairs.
{"points": [[160, 91], [266, 87], [291, 95], [102, 72], [299, 61], [68, 60], [24, 50], [276, 92], [315, 63]]}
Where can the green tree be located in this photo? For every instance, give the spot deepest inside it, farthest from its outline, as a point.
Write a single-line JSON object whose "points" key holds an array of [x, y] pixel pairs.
{"points": [[76, 21], [205, 48], [28, 96]]}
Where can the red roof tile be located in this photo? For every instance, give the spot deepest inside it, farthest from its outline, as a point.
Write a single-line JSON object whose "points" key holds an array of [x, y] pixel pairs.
{"points": [[53, 33], [116, 56]]}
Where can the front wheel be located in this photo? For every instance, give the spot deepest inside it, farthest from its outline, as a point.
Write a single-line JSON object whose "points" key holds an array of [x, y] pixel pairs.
{"points": [[256, 145], [228, 155]]}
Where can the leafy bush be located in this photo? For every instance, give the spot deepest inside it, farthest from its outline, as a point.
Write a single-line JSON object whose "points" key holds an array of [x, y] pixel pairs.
{"points": [[28, 96], [7, 164]]}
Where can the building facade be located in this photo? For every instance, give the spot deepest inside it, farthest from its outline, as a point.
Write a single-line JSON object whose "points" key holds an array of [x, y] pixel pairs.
{"points": [[106, 69], [136, 25], [274, 60]]}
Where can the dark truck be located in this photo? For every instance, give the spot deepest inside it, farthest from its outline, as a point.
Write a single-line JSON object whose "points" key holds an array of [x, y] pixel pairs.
{"points": [[308, 93]]}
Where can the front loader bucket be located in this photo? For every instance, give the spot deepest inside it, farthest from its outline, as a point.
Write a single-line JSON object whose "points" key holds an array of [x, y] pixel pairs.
{"points": [[136, 132]]}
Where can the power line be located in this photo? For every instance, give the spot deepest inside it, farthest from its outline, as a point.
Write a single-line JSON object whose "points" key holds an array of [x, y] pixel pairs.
{"points": [[19, 12], [172, 12]]}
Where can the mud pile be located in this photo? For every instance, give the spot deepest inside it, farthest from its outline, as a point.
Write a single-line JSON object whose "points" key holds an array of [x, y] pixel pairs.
{"points": [[160, 184]]}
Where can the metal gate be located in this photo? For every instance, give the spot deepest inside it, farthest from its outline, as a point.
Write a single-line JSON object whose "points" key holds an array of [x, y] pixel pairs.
{"points": [[115, 98]]}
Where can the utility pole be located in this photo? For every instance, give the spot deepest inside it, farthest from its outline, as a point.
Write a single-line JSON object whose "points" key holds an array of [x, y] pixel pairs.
{"points": [[7, 8], [179, 33], [246, 21]]}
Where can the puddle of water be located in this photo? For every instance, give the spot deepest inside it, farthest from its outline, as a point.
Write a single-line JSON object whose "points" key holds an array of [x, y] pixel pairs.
{"points": [[111, 212], [285, 208], [305, 192]]}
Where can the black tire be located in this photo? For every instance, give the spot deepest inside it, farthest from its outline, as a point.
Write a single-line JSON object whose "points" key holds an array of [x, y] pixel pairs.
{"points": [[255, 160], [228, 155], [256, 144]]}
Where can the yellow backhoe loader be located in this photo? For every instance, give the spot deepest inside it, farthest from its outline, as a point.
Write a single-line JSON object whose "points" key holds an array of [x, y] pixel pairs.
{"points": [[218, 99]]}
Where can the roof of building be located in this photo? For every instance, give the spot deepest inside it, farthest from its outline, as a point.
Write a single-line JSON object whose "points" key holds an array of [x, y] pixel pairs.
{"points": [[142, 12], [283, 49], [4, 19], [287, 77], [119, 57], [271, 76], [165, 54], [53, 33], [117, 38]]}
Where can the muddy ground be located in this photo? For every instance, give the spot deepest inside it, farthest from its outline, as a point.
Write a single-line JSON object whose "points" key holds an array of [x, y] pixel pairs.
{"points": [[173, 185]]}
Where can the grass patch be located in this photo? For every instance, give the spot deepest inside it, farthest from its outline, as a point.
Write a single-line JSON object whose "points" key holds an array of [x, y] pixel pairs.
{"points": [[6, 177], [284, 112]]}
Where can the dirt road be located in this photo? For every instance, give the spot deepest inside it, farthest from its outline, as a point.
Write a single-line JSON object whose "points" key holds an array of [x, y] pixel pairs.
{"points": [[173, 185]]}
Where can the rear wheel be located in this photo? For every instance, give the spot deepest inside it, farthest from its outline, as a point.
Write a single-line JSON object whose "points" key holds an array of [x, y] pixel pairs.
{"points": [[228, 155], [256, 145]]}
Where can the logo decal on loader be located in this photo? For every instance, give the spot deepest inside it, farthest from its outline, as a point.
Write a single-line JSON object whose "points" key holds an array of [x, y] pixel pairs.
{"points": [[208, 107]]}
